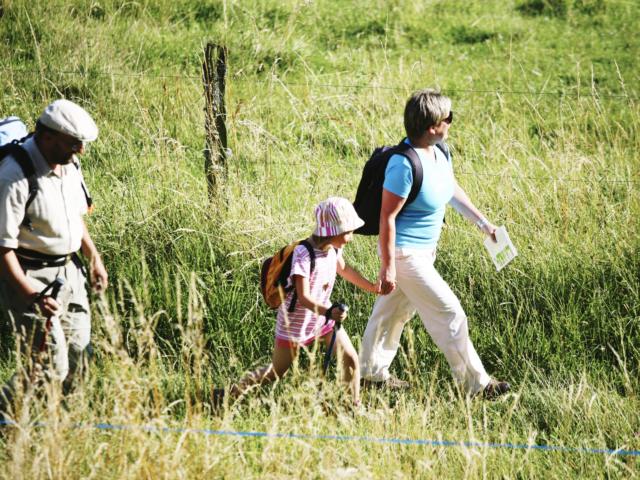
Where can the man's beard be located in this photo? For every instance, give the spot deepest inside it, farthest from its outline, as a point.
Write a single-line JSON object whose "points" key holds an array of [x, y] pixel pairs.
{"points": [[63, 161]]}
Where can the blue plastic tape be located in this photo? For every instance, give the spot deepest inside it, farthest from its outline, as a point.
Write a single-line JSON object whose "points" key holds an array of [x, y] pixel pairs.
{"points": [[350, 438]]}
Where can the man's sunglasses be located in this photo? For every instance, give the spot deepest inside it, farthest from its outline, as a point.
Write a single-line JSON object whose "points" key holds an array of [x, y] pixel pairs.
{"points": [[449, 119]]}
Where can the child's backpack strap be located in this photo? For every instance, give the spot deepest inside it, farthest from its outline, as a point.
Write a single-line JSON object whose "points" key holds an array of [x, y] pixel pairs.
{"points": [[23, 160], [312, 261]]}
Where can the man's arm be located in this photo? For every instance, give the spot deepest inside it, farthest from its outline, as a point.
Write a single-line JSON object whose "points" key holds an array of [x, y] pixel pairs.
{"points": [[97, 273], [463, 204], [12, 273]]}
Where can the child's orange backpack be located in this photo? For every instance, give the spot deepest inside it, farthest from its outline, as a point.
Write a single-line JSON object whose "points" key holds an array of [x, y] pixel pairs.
{"points": [[275, 271]]}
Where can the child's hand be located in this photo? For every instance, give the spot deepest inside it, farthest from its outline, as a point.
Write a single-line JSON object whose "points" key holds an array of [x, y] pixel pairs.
{"points": [[339, 315], [337, 312]]}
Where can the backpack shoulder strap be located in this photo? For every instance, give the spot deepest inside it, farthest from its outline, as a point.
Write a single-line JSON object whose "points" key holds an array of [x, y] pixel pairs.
{"points": [[312, 261], [444, 148], [406, 150], [87, 195], [23, 160], [312, 254]]}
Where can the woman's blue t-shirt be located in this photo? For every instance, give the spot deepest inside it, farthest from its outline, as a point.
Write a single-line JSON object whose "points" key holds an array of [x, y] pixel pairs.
{"points": [[420, 223]]}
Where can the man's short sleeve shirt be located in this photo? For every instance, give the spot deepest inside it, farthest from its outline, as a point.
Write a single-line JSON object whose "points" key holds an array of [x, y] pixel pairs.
{"points": [[56, 211]]}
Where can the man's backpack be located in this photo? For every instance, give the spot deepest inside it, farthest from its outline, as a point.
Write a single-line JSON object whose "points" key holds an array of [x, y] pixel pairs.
{"points": [[12, 128], [275, 271], [368, 200]]}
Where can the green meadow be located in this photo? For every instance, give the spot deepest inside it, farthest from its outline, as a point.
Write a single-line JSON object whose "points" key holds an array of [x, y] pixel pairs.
{"points": [[545, 138]]}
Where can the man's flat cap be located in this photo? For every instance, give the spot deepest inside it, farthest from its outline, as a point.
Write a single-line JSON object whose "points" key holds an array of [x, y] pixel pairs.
{"points": [[67, 117]]}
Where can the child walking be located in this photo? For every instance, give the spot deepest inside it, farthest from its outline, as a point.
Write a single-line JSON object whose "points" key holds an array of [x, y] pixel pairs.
{"points": [[314, 316]]}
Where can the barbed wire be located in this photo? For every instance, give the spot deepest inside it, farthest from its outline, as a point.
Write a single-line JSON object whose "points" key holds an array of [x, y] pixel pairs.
{"points": [[468, 90], [591, 180], [102, 73], [591, 93], [271, 162], [274, 163]]}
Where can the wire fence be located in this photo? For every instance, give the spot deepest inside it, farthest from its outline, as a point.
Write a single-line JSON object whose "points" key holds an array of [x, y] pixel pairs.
{"points": [[591, 92], [285, 161], [274, 162]]}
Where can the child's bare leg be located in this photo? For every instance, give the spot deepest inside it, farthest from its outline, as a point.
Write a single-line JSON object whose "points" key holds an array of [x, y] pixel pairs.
{"points": [[281, 361], [350, 363]]}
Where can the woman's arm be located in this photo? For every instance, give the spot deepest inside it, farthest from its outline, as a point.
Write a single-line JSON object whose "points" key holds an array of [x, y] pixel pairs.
{"points": [[391, 206], [463, 204]]}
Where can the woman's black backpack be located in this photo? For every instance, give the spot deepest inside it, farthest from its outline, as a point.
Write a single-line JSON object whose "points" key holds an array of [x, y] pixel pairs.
{"points": [[369, 194]]}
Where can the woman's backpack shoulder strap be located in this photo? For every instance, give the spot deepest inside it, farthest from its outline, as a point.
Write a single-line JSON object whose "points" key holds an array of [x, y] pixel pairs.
{"points": [[444, 148], [407, 151]]}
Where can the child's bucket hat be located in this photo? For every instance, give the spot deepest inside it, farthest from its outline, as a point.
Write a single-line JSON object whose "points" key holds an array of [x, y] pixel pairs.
{"points": [[335, 216]]}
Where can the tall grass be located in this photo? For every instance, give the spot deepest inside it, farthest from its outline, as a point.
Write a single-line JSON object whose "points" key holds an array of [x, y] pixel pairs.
{"points": [[312, 88]]}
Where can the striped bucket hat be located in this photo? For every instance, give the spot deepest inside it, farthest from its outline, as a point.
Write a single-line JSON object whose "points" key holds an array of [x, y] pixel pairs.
{"points": [[334, 216]]}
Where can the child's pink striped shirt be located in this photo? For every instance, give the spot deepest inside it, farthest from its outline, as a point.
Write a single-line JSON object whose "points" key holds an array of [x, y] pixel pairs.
{"points": [[302, 324]]}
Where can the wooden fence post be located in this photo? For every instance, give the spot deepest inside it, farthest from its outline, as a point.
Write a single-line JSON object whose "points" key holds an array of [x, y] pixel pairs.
{"points": [[214, 69]]}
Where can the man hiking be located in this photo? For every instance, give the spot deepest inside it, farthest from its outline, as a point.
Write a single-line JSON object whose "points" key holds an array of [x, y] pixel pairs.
{"points": [[43, 199]]}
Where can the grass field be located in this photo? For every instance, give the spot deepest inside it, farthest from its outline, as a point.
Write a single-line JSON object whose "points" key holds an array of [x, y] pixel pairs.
{"points": [[545, 140]]}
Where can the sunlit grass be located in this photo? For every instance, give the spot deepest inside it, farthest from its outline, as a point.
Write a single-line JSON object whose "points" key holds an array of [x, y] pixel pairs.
{"points": [[544, 142]]}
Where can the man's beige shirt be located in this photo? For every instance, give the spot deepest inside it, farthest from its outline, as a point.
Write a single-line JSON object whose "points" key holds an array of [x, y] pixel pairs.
{"points": [[56, 212]]}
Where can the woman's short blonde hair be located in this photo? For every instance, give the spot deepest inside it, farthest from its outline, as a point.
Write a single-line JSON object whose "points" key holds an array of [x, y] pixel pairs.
{"points": [[424, 109]]}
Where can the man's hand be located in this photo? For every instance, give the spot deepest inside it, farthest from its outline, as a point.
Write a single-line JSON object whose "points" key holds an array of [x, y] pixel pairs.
{"points": [[98, 274], [46, 305]]}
